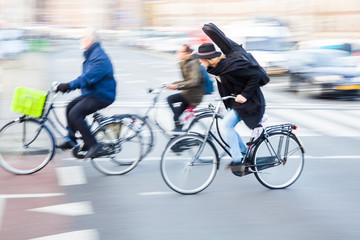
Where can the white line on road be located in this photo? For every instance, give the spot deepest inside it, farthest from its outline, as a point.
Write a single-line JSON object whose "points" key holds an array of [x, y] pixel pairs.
{"points": [[124, 74], [154, 193], [71, 175], [34, 195], [333, 157], [90, 234], [3, 198], [2, 208], [135, 81], [68, 209]]}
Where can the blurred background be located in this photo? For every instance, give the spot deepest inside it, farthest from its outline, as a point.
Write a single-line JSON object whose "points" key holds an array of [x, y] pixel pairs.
{"points": [[270, 29], [310, 49]]}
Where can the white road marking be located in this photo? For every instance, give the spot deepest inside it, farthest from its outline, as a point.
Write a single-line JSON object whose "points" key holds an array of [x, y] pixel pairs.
{"points": [[124, 74], [35, 195], [3, 198], [135, 81], [333, 157], [2, 208], [90, 234], [154, 193], [71, 176], [68, 209]]}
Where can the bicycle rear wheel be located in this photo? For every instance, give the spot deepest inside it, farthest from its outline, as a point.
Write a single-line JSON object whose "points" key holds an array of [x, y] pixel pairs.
{"points": [[272, 169], [26, 146], [143, 127], [181, 171], [126, 145]]}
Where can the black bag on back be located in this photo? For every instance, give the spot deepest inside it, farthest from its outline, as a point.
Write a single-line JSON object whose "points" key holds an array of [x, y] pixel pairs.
{"points": [[231, 48]]}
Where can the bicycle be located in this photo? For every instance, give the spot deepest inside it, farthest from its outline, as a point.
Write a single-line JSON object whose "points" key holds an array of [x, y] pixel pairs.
{"points": [[276, 157], [27, 144], [143, 123]]}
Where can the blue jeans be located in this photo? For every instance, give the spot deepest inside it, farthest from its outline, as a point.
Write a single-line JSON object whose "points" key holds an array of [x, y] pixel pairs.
{"points": [[234, 140]]}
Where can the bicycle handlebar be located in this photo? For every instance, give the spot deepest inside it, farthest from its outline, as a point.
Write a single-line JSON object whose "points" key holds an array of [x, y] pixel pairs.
{"points": [[227, 97]]}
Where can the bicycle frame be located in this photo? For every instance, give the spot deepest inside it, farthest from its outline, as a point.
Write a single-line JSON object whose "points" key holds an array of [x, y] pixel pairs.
{"points": [[286, 128], [153, 107], [46, 120]]}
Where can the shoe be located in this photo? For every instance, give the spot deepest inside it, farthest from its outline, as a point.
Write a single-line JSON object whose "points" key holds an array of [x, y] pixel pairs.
{"points": [[235, 166], [98, 150], [67, 145], [177, 130], [83, 151], [178, 127]]}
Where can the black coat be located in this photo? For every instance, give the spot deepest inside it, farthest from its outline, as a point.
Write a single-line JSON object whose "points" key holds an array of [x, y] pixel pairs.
{"points": [[237, 76]]}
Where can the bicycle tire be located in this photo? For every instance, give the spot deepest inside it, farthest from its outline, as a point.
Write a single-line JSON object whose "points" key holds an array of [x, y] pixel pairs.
{"points": [[200, 124], [26, 146], [143, 127], [269, 168], [126, 146], [180, 172]]}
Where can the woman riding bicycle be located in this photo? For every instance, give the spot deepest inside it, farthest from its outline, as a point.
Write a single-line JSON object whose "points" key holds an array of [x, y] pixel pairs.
{"points": [[235, 76], [191, 86]]}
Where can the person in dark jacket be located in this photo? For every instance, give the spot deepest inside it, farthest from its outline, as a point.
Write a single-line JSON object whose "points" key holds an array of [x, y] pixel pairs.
{"points": [[98, 90], [191, 86], [235, 76]]}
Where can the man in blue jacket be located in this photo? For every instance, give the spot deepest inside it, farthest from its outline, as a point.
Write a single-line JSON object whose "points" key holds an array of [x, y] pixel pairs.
{"points": [[98, 90]]}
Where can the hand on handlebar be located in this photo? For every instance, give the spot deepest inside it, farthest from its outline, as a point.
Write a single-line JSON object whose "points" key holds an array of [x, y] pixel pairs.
{"points": [[63, 87], [240, 98], [173, 86]]}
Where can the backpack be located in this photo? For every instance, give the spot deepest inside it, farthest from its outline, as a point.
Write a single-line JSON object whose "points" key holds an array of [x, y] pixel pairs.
{"points": [[231, 48], [207, 82]]}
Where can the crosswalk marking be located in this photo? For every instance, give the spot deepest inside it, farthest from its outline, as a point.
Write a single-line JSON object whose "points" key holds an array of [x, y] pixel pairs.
{"points": [[2, 207], [71, 175], [68, 209], [315, 121], [90, 234]]}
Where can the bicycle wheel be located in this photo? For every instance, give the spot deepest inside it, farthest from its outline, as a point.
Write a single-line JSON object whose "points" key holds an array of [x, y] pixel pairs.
{"points": [[26, 146], [126, 145], [143, 127], [200, 124], [278, 160], [181, 171]]}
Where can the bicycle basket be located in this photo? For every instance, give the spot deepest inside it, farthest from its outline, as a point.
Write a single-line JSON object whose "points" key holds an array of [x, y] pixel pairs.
{"points": [[28, 101]]}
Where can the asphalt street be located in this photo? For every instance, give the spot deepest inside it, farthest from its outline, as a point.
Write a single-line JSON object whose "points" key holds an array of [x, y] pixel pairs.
{"points": [[69, 199]]}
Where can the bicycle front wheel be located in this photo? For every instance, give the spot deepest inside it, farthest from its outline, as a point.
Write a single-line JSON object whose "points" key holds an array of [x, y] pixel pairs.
{"points": [[126, 147], [182, 171], [278, 160], [26, 146]]}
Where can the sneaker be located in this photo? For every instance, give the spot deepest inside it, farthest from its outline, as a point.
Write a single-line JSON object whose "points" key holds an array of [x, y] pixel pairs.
{"points": [[236, 166], [83, 151], [98, 150], [65, 146]]}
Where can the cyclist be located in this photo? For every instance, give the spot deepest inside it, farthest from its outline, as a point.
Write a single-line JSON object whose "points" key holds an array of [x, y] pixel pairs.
{"points": [[98, 90], [191, 86], [235, 77]]}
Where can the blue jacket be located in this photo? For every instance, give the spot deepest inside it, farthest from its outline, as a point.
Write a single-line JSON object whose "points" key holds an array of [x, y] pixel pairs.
{"points": [[97, 78]]}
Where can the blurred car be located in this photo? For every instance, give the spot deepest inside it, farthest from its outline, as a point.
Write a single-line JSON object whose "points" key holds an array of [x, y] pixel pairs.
{"points": [[12, 43], [351, 46], [268, 40], [327, 73]]}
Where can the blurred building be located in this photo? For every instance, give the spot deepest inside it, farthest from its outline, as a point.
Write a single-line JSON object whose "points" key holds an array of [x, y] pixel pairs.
{"points": [[318, 18]]}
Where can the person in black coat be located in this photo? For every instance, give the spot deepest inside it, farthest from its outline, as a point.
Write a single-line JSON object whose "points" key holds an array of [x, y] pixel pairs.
{"points": [[235, 76]]}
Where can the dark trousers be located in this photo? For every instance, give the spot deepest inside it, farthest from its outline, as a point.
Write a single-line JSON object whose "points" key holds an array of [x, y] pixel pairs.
{"points": [[76, 112], [177, 98]]}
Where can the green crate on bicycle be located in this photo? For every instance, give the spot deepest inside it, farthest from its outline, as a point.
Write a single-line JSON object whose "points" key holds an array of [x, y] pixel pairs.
{"points": [[28, 101]]}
